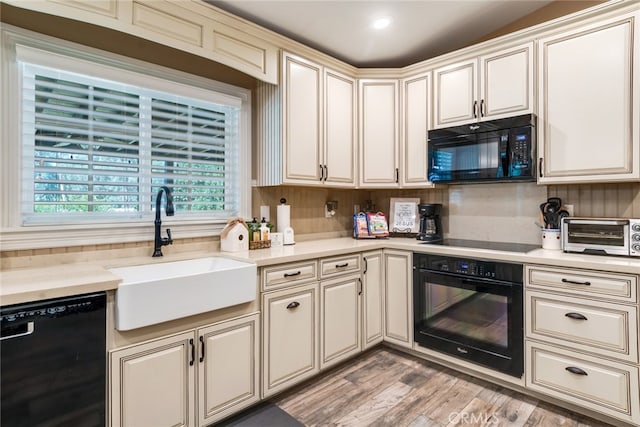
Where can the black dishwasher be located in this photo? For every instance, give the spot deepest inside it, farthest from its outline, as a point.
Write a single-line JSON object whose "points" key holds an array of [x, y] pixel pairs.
{"points": [[53, 362]]}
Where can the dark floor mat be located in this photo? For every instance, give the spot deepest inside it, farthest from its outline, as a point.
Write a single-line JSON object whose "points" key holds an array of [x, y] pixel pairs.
{"points": [[263, 415]]}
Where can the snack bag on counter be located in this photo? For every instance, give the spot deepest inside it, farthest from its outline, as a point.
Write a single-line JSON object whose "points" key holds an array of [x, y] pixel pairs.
{"points": [[361, 226], [378, 226]]}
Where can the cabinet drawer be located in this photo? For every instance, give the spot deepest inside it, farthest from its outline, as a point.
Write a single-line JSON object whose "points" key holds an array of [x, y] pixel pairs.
{"points": [[607, 328], [330, 267], [284, 275], [603, 386], [616, 286]]}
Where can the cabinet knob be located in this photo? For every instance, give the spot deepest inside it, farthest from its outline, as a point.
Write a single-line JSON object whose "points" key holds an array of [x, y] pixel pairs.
{"points": [[293, 305]]}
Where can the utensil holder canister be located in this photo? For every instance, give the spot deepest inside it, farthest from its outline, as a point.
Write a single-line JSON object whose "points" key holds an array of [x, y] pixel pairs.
{"points": [[551, 239]]}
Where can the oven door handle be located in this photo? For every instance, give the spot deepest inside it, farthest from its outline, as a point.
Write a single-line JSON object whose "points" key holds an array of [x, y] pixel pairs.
{"points": [[471, 281]]}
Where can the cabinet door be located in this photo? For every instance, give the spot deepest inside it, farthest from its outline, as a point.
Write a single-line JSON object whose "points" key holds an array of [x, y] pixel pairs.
{"points": [[301, 120], [290, 337], [378, 133], [506, 83], [455, 94], [153, 384], [398, 298], [416, 97], [340, 129], [372, 301], [228, 368], [339, 319], [588, 120]]}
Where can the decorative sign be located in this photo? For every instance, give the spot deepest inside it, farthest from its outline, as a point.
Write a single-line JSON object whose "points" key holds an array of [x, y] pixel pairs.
{"points": [[404, 216]]}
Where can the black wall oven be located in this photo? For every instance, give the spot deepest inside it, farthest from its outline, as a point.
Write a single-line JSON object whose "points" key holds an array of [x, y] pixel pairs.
{"points": [[471, 309]]}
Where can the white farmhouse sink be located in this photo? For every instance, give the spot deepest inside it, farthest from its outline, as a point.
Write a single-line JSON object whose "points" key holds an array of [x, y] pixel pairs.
{"points": [[155, 293]]}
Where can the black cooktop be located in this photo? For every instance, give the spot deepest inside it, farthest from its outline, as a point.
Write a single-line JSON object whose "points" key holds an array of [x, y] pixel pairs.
{"points": [[483, 244]]}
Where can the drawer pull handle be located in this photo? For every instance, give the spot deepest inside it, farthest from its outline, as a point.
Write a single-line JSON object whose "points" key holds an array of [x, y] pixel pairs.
{"points": [[575, 370], [297, 273], [293, 305], [573, 282], [346, 264], [576, 316]]}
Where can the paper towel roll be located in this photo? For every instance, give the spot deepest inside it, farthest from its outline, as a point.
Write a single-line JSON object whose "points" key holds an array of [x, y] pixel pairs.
{"points": [[284, 217]]}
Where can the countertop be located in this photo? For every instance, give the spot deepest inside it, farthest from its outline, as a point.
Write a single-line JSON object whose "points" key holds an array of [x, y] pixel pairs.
{"points": [[31, 284]]}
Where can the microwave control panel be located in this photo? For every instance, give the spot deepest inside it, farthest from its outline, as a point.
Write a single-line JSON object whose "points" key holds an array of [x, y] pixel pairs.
{"points": [[634, 243]]}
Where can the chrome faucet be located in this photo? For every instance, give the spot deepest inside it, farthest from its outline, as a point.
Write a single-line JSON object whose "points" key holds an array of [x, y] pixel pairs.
{"points": [[159, 240]]}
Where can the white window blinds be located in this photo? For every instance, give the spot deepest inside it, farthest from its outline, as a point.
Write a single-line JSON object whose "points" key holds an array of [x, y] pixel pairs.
{"points": [[96, 149]]}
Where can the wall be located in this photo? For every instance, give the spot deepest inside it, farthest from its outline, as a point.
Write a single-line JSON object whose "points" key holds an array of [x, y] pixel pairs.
{"points": [[496, 212], [514, 205], [546, 13]]}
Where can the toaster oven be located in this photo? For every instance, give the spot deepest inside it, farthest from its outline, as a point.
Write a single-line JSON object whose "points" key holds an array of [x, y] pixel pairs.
{"points": [[601, 236]]}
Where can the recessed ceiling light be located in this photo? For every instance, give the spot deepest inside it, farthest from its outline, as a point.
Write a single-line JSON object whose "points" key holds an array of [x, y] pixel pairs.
{"points": [[381, 23]]}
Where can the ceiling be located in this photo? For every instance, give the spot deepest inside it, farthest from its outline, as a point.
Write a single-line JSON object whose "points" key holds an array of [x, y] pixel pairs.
{"points": [[419, 29]]}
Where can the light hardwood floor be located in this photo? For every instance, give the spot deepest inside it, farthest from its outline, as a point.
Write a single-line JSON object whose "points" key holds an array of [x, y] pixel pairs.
{"points": [[384, 387]]}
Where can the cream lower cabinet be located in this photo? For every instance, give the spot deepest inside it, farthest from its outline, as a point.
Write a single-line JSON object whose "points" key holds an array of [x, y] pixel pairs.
{"points": [[228, 378], [372, 299], [340, 319], [290, 337], [582, 338], [398, 296], [154, 383], [588, 120]]}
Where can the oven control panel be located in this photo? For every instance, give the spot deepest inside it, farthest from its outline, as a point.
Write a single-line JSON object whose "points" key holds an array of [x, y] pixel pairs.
{"points": [[469, 267]]}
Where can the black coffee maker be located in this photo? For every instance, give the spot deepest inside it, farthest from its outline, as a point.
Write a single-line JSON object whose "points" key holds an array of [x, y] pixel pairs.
{"points": [[430, 223]]}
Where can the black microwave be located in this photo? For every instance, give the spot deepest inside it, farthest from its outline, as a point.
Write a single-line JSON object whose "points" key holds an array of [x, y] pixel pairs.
{"points": [[497, 150]]}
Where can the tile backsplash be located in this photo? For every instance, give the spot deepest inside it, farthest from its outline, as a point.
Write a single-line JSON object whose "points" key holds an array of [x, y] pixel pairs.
{"points": [[498, 212]]}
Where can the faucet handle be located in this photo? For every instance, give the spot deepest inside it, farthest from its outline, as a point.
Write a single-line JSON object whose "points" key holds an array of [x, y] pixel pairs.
{"points": [[169, 239]]}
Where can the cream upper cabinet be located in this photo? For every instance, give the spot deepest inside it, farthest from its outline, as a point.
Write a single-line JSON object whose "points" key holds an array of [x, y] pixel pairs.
{"points": [[339, 319], [416, 122], [290, 338], [153, 384], [319, 128], [378, 139], [398, 325], [301, 119], [190, 26], [372, 300], [496, 85], [588, 124], [340, 129]]}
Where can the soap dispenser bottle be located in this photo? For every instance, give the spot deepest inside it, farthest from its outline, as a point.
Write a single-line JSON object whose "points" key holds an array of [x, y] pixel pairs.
{"points": [[265, 233]]}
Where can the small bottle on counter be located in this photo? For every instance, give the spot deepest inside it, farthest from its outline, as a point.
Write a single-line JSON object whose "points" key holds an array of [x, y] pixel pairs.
{"points": [[265, 234], [255, 230]]}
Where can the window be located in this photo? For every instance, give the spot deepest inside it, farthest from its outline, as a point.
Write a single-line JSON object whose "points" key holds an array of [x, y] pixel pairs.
{"points": [[98, 138]]}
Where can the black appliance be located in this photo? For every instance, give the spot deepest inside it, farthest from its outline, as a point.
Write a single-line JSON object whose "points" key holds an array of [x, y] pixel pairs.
{"points": [[496, 150], [53, 362], [430, 223], [471, 309]]}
